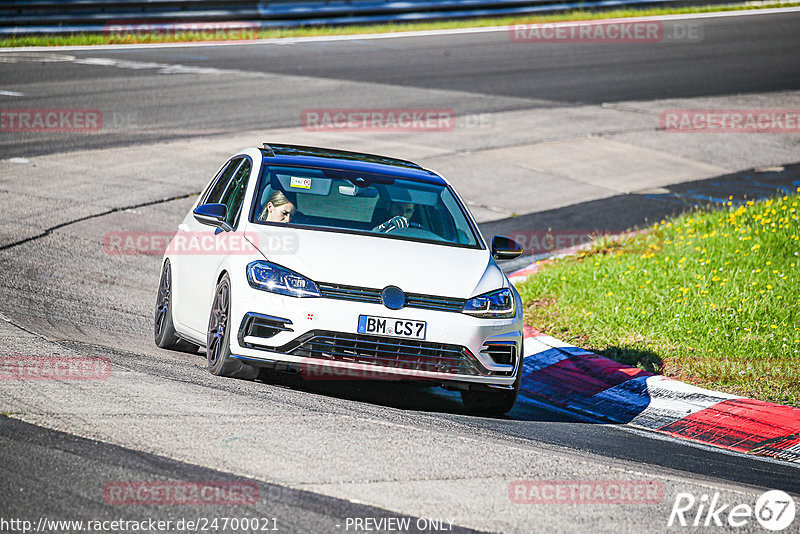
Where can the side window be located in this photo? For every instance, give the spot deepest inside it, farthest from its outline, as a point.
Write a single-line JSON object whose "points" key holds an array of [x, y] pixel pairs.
{"points": [[213, 182], [221, 184], [234, 194]]}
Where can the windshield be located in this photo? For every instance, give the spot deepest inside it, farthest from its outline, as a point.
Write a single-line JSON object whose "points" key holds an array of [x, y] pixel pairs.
{"points": [[372, 204]]}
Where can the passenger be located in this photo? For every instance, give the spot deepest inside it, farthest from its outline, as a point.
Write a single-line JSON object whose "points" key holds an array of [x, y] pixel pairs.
{"points": [[278, 208], [400, 213]]}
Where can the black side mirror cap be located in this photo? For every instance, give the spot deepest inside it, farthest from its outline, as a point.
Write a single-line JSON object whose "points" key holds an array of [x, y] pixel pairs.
{"points": [[504, 248], [213, 215]]}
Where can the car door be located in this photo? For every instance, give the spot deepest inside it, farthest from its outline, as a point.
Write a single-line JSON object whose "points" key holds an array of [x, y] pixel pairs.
{"points": [[194, 263]]}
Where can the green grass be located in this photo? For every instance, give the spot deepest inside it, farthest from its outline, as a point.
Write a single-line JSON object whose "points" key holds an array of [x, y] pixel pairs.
{"points": [[711, 298], [100, 39]]}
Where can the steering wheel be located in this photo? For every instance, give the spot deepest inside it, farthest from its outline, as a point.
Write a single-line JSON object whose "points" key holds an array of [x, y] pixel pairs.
{"points": [[410, 225]]}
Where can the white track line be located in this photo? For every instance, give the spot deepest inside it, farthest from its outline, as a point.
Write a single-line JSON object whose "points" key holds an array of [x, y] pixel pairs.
{"points": [[392, 35]]}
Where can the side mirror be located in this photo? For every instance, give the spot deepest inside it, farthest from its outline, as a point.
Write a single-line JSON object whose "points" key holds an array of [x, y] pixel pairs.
{"points": [[504, 248], [213, 215]]}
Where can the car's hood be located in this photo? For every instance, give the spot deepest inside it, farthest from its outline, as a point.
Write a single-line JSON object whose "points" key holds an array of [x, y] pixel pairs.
{"points": [[377, 262]]}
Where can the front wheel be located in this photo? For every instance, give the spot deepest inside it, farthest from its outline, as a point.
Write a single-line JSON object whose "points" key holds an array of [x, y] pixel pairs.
{"points": [[492, 402], [218, 342], [163, 330]]}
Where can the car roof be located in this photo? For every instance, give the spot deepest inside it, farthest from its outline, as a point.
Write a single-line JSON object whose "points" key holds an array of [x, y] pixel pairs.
{"points": [[281, 154]]}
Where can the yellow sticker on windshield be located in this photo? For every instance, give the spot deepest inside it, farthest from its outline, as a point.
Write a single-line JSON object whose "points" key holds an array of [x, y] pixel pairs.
{"points": [[300, 183]]}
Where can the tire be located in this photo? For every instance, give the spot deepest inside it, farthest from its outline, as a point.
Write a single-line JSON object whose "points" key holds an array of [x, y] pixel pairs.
{"points": [[218, 337], [163, 330], [492, 402]]}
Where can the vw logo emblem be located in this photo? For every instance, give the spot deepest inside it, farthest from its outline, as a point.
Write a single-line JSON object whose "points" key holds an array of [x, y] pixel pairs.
{"points": [[393, 297]]}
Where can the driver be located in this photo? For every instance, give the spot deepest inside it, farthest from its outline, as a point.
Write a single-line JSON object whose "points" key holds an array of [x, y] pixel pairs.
{"points": [[401, 213], [278, 208]]}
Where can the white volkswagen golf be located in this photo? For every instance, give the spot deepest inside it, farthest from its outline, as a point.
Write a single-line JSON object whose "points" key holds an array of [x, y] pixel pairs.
{"points": [[338, 264]]}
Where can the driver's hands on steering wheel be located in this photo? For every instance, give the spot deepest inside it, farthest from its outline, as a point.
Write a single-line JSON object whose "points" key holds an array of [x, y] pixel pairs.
{"points": [[395, 223]]}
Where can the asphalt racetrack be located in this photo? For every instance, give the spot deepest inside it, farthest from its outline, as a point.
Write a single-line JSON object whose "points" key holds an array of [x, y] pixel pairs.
{"points": [[553, 135]]}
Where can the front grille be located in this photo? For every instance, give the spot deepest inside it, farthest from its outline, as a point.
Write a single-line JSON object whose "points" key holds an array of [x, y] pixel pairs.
{"points": [[373, 296], [429, 302], [357, 294], [385, 352]]}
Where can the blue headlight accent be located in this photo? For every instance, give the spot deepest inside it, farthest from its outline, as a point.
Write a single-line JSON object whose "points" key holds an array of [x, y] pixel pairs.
{"points": [[497, 304], [267, 276]]}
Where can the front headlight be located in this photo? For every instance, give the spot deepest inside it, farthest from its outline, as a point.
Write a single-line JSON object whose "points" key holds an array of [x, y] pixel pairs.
{"points": [[497, 304], [276, 279]]}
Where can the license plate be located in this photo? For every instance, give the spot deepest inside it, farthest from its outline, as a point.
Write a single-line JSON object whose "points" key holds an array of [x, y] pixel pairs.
{"points": [[389, 326]]}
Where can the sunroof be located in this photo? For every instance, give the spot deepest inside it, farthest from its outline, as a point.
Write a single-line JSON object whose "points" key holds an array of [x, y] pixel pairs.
{"points": [[296, 150]]}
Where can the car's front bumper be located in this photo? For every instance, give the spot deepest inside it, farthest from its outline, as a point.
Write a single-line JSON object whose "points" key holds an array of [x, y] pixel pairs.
{"points": [[318, 337]]}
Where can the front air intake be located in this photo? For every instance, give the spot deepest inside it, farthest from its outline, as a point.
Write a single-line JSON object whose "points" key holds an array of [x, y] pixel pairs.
{"points": [[501, 352], [259, 326]]}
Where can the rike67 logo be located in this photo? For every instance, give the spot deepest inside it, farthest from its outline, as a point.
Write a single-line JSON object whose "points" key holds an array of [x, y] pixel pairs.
{"points": [[774, 510]]}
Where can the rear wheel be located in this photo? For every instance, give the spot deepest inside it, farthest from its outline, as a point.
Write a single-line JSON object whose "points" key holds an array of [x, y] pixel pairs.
{"points": [[218, 342], [163, 330], [495, 402]]}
